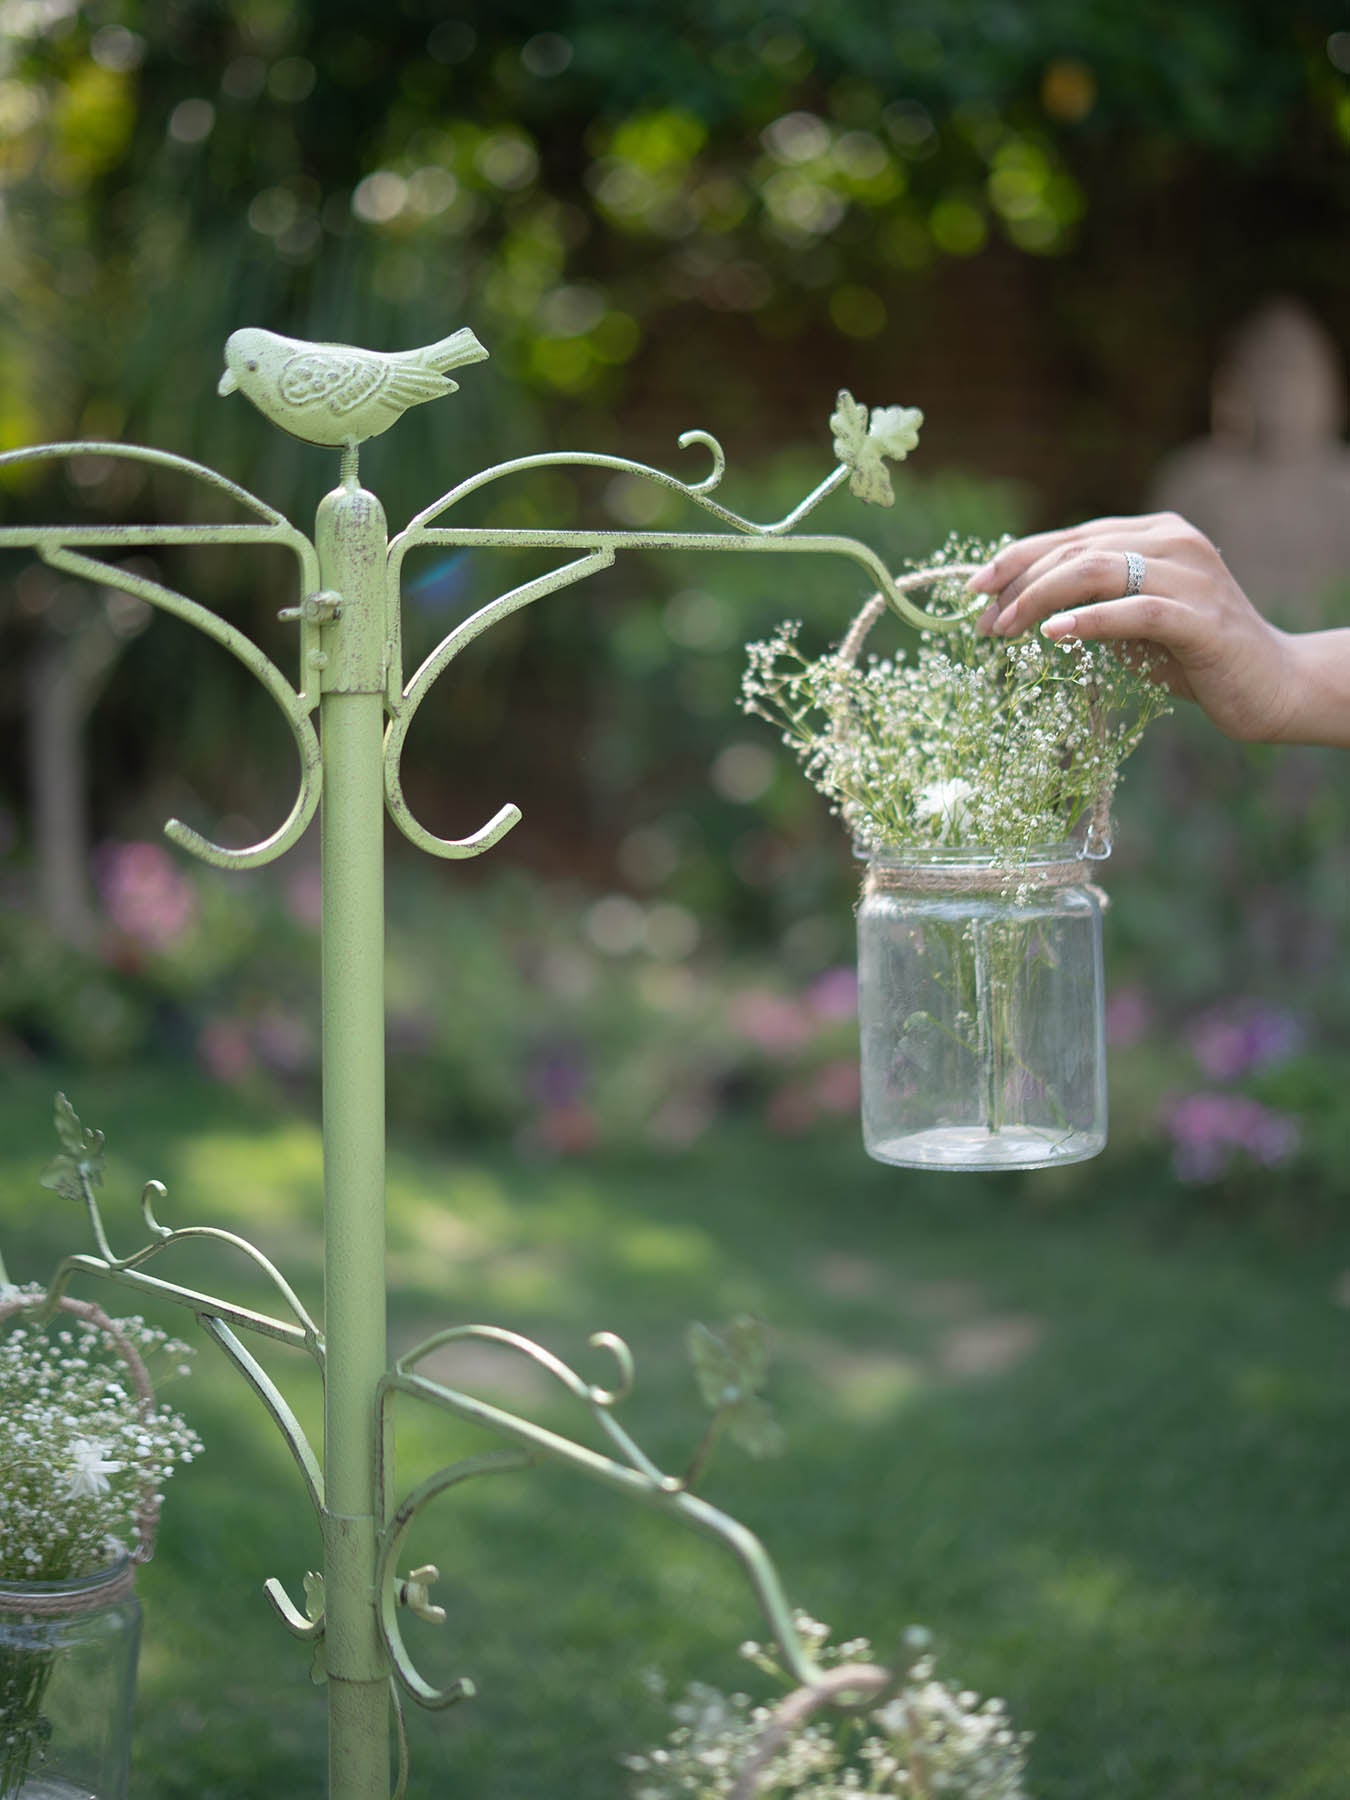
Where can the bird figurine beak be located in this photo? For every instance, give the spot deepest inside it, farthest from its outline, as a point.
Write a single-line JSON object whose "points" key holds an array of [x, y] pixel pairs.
{"points": [[227, 383]]}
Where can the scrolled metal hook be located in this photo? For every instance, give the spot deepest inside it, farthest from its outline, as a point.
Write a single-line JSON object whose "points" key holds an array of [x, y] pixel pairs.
{"points": [[623, 1356], [150, 1193], [293, 707], [689, 438], [393, 1593]]}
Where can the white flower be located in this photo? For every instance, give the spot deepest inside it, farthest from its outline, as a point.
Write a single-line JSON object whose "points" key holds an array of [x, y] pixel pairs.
{"points": [[88, 1474], [948, 801]]}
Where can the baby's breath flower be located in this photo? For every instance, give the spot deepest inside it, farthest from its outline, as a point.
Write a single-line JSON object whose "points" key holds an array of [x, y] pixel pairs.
{"points": [[928, 1739], [78, 1450], [1002, 743]]}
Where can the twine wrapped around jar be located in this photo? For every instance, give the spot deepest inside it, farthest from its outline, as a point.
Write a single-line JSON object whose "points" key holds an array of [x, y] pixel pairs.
{"points": [[92, 1596]]}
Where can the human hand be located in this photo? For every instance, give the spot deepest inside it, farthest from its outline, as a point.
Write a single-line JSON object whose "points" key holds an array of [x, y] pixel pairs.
{"points": [[1208, 642]]}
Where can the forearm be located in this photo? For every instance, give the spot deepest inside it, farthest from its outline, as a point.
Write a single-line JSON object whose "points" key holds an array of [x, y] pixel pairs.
{"points": [[1319, 678]]}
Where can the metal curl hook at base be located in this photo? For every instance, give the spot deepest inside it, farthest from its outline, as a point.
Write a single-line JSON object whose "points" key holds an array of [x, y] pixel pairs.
{"points": [[412, 1592], [308, 1630]]}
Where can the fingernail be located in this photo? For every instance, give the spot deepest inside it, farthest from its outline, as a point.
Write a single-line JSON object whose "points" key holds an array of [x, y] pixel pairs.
{"points": [[1059, 625], [982, 581], [985, 623], [1005, 624]]}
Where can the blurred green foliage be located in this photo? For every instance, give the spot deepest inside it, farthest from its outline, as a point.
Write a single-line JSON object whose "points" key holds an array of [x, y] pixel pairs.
{"points": [[566, 180]]}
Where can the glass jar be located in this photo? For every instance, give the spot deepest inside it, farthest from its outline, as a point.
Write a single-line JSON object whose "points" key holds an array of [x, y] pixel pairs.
{"points": [[980, 1009], [67, 1682]]}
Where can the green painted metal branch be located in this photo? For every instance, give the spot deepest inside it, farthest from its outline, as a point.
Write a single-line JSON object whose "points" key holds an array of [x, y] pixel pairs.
{"points": [[274, 1401], [198, 1303], [664, 1493], [163, 1236]]}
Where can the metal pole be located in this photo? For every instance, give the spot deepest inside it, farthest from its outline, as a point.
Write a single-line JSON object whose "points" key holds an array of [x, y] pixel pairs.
{"points": [[352, 541]]}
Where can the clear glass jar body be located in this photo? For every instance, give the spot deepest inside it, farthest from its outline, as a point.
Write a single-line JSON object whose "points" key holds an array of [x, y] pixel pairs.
{"points": [[67, 1686], [980, 1011]]}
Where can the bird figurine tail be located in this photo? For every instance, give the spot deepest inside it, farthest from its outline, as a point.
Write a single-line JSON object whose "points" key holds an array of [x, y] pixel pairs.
{"points": [[452, 352]]}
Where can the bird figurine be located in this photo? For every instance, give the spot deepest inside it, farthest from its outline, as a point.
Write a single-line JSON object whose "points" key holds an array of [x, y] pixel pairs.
{"points": [[335, 394]]}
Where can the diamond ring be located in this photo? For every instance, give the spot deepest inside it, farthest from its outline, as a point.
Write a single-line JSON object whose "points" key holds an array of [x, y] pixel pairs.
{"points": [[1134, 574]]}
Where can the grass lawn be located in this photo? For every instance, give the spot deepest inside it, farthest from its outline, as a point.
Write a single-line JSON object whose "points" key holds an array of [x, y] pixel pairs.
{"points": [[1097, 1443]]}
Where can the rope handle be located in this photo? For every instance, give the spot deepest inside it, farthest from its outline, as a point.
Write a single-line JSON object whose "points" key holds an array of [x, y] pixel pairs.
{"points": [[1097, 846], [851, 1685], [147, 1513]]}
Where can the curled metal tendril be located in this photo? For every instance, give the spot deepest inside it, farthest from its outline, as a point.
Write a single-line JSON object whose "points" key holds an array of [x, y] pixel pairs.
{"points": [[150, 1193], [719, 468], [611, 1341], [599, 1399], [585, 459]]}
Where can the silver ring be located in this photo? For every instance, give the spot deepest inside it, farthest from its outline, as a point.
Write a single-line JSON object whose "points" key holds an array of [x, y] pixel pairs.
{"points": [[1134, 574]]}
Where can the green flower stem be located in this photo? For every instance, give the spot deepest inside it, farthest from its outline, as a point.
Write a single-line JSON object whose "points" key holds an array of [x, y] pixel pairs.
{"points": [[702, 1456], [24, 1677]]}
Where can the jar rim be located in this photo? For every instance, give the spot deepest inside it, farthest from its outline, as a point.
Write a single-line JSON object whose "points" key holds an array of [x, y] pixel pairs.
{"points": [[972, 856], [13, 1589]]}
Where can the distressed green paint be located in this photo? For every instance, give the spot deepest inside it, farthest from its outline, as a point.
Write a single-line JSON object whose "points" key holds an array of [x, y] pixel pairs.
{"points": [[352, 539], [348, 616]]}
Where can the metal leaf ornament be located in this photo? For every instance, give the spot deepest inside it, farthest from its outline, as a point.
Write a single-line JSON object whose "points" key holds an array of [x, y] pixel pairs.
{"points": [[79, 1167], [731, 1369], [863, 447]]}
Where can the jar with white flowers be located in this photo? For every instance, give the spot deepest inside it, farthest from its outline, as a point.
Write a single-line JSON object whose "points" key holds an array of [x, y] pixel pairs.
{"points": [[85, 1452], [975, 775]]}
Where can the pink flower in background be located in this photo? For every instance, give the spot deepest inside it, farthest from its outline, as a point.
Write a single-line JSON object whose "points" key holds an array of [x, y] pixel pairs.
{"points": [[770, 1022], [837, 1087], [568, 1129], [1207, 1129], [1232, 1040], [146, 895], [791, 1109], [282, 1043], [834, 995], [224, 1051], [1129, 1013], [304, 895]]}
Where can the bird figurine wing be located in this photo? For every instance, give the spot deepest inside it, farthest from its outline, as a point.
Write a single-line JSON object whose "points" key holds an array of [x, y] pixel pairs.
{"points": [[344, 378]]}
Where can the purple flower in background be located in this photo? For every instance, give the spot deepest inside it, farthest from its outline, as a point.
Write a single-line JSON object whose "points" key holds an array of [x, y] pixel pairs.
{"points": [[1232, 1040], [1207, 1129], [146, 894], [1129, 1013], [557, 1074]]}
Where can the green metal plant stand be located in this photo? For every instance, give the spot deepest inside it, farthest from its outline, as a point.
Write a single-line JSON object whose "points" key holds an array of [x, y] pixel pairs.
{"points": [[347, 612]]}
